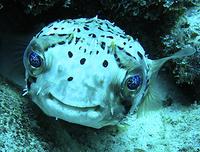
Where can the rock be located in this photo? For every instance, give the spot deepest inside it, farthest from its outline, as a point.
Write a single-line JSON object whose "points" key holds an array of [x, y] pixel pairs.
{"points": [[23, 127], [186, 33]]}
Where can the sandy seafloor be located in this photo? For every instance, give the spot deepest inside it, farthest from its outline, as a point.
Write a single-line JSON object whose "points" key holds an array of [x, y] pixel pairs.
{"points": [[23, 127]]}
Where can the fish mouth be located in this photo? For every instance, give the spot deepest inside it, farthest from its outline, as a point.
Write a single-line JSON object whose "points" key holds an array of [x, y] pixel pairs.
{"points": [[96, 108], [91, 116]]}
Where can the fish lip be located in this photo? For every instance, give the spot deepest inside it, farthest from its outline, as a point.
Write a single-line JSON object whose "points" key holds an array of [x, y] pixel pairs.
{"points": [[95, 108]]}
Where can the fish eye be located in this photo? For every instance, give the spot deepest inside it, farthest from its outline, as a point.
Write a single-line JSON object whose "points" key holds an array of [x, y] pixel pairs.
{"points": [[35, 60], [133, 82]]}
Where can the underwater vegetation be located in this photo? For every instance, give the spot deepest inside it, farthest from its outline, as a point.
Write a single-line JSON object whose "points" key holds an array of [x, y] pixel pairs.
{"points": [[36, 7], [186, 32], [17, 124]]}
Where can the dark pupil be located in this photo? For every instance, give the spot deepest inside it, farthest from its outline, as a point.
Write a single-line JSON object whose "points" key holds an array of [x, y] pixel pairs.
{"points": [[35, 59], [133, 82]]}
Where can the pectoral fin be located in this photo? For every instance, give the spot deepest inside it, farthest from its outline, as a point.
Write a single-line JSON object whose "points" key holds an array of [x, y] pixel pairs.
{"points": [[154, 96]]}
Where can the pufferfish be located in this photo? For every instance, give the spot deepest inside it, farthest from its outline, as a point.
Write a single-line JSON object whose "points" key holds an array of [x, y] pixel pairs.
{"points": [[89, 72]]}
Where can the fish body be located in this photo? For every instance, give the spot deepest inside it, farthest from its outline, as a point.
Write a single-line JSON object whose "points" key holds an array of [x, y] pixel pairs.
{"points": [[87, 71]]}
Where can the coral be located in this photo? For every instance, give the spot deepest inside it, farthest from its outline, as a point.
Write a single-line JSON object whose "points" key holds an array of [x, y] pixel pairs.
{"points": [[151, 10], [36, 7], [185, 32], [16, 125], [23, 127]]}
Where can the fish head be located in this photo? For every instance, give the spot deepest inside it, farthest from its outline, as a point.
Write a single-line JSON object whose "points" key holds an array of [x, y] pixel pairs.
{"points": [[83, 89]]}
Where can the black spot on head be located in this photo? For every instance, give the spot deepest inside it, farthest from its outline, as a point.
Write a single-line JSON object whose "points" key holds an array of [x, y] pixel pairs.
{"points": [[70, 54], [52, 34], [115, 55], [103, 44], [62, 34], [102, 35], [76, 40], [107, 26], [118, 59], [124, 43], [70, 79], [80, 47], [140, 55], [110, 37], [121, 66], [93, 35], [120, 48], [82, 61], [62, 28], [84, 50], [128, 54], [122, 36], [61, 43], [100, 28], [97, 52], [86, 28], [53, 45], [55, 28], [130, 46], [105, 63], [90, 21], [108, 51], [90, 52], [78, 30], [70, 41], [110, 31]]}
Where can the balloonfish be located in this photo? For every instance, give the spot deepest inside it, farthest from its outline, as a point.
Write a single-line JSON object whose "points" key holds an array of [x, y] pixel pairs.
{"points": [[89, 72]]}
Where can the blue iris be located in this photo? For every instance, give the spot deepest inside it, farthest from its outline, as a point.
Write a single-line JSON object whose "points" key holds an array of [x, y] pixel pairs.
{"points": [[35, 60], [134, 82]]}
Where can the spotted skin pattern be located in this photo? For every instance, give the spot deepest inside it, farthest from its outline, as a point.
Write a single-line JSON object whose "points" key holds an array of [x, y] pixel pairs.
{"points": [[85, 65]]}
